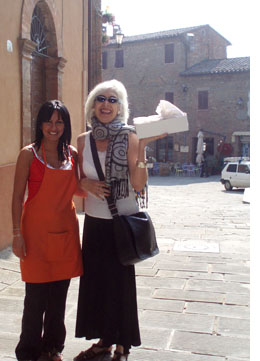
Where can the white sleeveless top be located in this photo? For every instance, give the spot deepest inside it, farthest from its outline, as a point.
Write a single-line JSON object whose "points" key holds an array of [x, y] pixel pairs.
{"points": [[94, 206]]}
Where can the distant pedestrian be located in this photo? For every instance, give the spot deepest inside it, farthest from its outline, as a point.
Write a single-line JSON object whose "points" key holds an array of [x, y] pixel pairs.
{"points": [[204, 166], [48, 241]]}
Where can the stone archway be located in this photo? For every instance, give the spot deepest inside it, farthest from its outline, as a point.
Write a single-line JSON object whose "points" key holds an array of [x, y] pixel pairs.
{"points": [[41, 72]]}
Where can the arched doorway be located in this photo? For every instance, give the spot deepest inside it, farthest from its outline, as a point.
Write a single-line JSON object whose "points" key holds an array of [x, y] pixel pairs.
{"points": [[42, 68], [41, 84]]}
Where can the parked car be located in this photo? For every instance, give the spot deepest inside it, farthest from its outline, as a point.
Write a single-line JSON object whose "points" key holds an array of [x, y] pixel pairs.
{"points": [[236, 174]]}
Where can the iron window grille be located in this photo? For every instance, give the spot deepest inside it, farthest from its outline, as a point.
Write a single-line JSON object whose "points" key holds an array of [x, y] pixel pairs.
{"points": [[38, 32]]}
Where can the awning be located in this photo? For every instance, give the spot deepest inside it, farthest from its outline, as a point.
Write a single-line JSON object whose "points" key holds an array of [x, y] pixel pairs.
{"points": [[240, 134]]}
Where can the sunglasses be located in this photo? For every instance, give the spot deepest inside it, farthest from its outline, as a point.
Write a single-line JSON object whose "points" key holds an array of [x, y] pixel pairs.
{"points": [[102, 99]]}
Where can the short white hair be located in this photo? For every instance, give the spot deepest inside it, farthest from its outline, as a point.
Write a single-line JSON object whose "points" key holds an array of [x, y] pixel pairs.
{"points": [[120, 90]]}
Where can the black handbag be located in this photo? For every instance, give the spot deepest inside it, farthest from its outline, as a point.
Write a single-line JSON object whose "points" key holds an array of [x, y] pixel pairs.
{"points": [[134, 234]]}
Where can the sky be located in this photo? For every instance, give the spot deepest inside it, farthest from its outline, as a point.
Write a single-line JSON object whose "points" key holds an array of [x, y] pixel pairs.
{"points": [[233, 19]]}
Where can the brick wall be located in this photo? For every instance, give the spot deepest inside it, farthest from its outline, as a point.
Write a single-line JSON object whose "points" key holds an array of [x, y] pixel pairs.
{"points": [[148, 78]]}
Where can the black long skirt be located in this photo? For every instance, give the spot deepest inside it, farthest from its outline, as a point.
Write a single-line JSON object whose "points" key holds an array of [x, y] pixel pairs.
{"points": [[107, 306]]}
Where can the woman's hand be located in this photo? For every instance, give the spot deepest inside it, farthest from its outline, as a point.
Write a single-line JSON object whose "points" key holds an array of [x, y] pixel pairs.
{"points": [[98, 188], [18, 246]]}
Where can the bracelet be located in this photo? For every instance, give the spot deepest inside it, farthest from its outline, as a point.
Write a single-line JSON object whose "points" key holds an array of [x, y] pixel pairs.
{"points": [[141, 164]]}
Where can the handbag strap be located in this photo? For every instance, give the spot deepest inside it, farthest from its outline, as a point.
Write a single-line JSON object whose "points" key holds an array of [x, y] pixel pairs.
{"points": [[111, 204]]}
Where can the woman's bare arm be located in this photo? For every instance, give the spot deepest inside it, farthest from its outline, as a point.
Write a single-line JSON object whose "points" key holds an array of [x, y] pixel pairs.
{"points": [[20, 181], [136, 153]]}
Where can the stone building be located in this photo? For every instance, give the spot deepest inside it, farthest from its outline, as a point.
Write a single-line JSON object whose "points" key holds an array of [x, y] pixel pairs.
{"points": [[49, 49], [188, 67]]}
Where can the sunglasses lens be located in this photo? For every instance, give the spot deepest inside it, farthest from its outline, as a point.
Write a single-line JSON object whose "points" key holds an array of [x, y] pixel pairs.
{"points": [[101, 98], [112, 100]]}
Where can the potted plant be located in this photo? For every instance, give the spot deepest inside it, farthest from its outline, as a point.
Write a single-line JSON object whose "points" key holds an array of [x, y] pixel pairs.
{"points": [[105, 39], [107, 17]]}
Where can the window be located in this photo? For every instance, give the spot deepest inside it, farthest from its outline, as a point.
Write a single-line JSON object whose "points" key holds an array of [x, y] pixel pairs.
{"points": [[243, 168], [119, 62], [169, 97], [169, 53], [232, 168], [203, 99], [38, 32], [104, 60], [164, 149]]}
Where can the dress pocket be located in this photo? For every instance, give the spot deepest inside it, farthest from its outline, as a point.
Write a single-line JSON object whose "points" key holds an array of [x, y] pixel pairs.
{"points": [[57, 247]]}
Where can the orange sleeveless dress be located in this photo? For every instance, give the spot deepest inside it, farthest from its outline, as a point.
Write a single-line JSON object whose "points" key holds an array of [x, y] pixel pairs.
{"points": [[50, 229]]}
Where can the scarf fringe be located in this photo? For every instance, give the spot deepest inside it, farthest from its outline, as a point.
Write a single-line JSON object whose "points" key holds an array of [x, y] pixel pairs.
{"points": [[120, 188], [142, 197]]}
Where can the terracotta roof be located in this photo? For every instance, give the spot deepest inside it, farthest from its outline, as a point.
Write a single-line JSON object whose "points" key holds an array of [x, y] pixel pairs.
{"points": [[161, 35], [219, 66]]}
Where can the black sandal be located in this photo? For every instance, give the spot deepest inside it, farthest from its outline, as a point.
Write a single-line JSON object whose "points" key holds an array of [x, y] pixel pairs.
{"points": [[118, 356], [90, 353]]}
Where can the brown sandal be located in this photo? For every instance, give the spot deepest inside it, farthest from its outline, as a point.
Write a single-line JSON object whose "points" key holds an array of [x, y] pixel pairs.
{"points": [[90, 353], [118, 356]]}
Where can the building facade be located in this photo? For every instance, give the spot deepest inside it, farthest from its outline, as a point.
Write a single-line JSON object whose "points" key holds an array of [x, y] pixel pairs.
{"points": [[188, 67], [50, 49]]}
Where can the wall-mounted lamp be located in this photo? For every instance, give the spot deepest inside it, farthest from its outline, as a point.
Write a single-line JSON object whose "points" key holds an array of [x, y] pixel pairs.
{"points": [[119, 38], [184, 88]]}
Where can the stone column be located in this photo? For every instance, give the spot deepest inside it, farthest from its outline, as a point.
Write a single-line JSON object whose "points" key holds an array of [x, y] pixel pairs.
{"points": [[61, 64], [54, 72], [27, 47]]}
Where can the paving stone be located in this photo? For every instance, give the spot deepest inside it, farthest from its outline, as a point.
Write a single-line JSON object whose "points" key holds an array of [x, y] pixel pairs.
{"points": [[144, 291], [155, 338], [160, 355], [12, 292], [146, 272], [177, 321], [187, 275], [8, 277], [232, 269], [160, 282], [210, 344], [11, 324], [237, 278], [11, 306], [240, 247], [235, 299], [233, 327], [160, 304], [189, 295], [10, 265], [180, 266], [217, 286], [241, 312], [9, 340]]}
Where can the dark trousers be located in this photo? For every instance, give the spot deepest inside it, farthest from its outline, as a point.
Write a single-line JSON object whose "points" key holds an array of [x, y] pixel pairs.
{"points": [[43, 328]]}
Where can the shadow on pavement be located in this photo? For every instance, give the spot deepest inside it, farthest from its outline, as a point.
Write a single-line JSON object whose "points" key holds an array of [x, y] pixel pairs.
{"points": [[180, 181]]}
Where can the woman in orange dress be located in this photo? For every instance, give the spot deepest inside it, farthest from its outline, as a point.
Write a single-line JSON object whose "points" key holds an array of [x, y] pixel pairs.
{"points": [[46, 232]]}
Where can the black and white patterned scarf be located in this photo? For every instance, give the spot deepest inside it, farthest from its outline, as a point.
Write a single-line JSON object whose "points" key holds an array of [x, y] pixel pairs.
{"points": [[116, 163]]}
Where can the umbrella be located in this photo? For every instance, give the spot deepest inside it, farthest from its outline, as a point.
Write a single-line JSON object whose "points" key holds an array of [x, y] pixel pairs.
{"points": [[199, 150]]}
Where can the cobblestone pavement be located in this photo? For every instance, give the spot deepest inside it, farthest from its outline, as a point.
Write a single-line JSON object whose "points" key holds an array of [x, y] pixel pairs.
{"points": [[193, 297]]}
